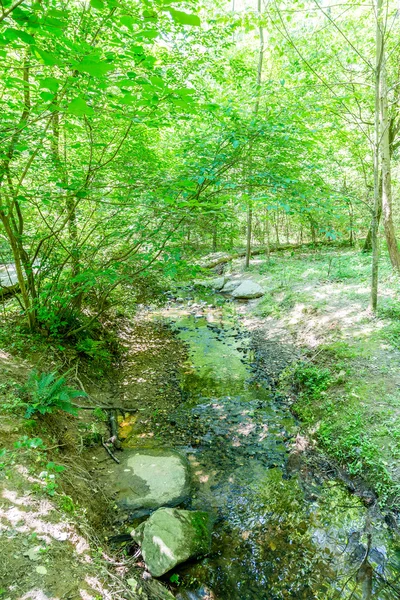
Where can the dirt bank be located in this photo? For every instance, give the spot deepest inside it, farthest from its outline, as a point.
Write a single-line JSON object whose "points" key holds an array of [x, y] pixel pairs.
{"points": [[56, 514]]}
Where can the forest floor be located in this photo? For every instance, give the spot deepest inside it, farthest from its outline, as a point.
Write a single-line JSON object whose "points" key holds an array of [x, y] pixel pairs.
{"points": [[56, 509], [344, 383]]}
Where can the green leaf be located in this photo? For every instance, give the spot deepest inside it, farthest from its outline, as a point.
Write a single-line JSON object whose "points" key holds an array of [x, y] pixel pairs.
{"points": [[147, 33], [49, 83], [157, 81], [79, 108], [184, 18], [98, 4], [96, 68], [47, 96], [14, 34], [127, 21], [46, 57]]}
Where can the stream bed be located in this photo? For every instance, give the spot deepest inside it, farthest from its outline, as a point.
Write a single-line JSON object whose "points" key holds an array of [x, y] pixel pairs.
{"points": [[281, 529]]}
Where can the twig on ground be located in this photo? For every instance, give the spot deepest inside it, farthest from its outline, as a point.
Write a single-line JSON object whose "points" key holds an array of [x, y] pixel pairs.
{"points": [[109, 451]]}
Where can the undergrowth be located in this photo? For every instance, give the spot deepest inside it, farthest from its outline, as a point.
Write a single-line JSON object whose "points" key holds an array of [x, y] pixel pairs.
{"points": [[335, 420]]}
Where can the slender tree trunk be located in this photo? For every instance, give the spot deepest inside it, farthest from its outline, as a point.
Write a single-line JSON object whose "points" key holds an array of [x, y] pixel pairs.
{"points": [[256, 108], [377, 199], [312, 231], [267, 236], [368, 240], [351, 224], [248, 234], [70, 205], [215, 238], [390, 234], [26, 300], [276, 223]]}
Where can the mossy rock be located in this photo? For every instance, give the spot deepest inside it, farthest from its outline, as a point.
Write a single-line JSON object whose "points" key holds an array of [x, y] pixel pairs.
{"points": [[149, 478], [172, 536]]}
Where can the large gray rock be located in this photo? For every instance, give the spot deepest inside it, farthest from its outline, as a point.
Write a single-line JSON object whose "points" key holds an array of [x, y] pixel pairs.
{"points": [[248, 289], [150, 478], [218, 283], [172, 536], [8, 275], [231, 285]]}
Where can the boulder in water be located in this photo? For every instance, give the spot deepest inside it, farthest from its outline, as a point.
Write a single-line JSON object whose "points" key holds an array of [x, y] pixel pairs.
{"points": [[150, 478], [247, 290], [171, 536]]}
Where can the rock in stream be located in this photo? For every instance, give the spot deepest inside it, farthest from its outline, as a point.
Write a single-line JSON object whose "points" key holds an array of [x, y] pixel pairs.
{"points": [[172, 536], [149, 478]]}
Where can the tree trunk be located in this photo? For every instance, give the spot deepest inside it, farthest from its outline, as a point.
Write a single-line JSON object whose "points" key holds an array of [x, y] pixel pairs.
{"points": [[256, 108], [368, 240], [390, 233], [313, 232], [377, 197], [16, 251], [351, 222], [248, 235], [214, 242], [267, 235], [276, 224], [70, 205]]}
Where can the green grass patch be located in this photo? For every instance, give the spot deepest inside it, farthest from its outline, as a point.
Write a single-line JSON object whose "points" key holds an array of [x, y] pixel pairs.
{"points": [[340, 424]]}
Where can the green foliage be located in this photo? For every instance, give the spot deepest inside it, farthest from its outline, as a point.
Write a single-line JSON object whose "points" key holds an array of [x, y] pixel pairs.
{"points": [[66, 504], [94, 349], [49, 477], [312, 381], [391, 333], [44, 393]]}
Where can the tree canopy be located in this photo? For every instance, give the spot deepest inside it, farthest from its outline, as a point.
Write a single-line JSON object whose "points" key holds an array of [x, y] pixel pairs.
{"points": [[136, 136]]}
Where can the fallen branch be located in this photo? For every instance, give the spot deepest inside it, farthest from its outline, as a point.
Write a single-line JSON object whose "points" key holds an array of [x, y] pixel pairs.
{"points": [[109, 451], [103, 407], [7, 291], [213, 260]]}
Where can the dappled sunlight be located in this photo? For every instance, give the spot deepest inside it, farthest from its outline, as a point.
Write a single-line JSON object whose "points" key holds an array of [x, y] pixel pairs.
{"points": [[86, 596], [246, 428], [37, 595], [25, 473], [164, 549], [27, 500], [96, 585], [33, 521]]}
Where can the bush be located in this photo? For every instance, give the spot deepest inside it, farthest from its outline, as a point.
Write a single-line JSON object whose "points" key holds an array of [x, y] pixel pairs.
{"points": [[312, 380], [44, 393]]}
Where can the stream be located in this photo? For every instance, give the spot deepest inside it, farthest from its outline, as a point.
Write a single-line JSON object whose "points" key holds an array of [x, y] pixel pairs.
{"points": [[282, 530]]}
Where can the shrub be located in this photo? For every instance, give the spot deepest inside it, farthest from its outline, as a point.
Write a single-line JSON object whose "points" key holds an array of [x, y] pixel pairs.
{"points": [[44, 393]]}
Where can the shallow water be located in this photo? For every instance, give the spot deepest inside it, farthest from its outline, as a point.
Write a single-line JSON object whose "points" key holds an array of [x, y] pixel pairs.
{"points": [[280, 530]]}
